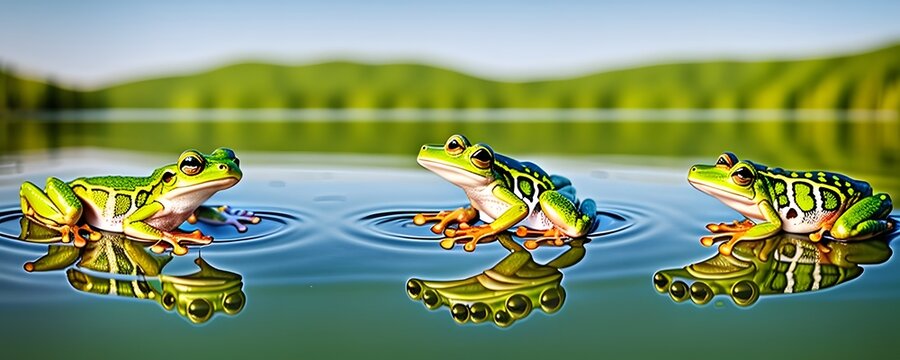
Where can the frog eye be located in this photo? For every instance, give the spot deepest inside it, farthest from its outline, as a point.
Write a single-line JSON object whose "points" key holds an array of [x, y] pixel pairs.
{"points": [[727, 160], [742, 176], [454, 146], [191, 165], [483, 159]]}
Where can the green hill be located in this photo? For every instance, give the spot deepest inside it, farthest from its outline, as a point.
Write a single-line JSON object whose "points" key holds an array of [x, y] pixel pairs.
{"points": [[869, 80]]}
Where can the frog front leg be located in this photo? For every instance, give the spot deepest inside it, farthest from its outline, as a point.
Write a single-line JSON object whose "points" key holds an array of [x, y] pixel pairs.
{"points": [[224, 215], [866, 218], [57, 207], [568, 221], [770, 226], [135, 225], [472, 235], [462, 216]]}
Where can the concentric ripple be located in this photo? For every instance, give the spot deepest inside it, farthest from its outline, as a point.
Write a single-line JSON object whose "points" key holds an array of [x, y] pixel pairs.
{"points": [[275, 223], [395, 228]]}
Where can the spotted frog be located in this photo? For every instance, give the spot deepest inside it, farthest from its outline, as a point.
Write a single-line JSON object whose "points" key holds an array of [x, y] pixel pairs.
{"points": [[503, 193], [807, 202], [146, 208]]}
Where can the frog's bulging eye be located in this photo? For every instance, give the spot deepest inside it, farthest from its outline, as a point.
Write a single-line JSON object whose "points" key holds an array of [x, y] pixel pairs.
{"points": [[191, 165], [454, 146], [727, 160], [483, 159], [742, 176]]}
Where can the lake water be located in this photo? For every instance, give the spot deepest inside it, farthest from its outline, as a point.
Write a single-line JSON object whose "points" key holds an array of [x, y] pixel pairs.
{"points": [[326, 273]]}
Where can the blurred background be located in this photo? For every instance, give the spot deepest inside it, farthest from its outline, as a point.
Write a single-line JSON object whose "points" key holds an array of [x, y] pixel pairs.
{"points": [[328, 102], [809, 84]]}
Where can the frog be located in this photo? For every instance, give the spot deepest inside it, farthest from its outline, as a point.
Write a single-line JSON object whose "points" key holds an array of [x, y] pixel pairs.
{"points": [[115, 265], [784, 263], [505, 293], [148, 208], [503, 193], [802, 202]]}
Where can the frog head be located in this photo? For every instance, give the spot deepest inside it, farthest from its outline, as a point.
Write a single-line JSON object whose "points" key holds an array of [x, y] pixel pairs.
{"points": [[731, 181], [459, 162], [196, 176], [197, 297], [783, 264]]}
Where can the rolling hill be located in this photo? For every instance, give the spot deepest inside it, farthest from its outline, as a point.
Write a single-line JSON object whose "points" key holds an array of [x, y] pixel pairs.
{"points": [[869, 80]]}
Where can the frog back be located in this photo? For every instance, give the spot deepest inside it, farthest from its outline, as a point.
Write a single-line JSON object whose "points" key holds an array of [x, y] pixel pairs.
{"points": [[527, 180], [807, 199]]}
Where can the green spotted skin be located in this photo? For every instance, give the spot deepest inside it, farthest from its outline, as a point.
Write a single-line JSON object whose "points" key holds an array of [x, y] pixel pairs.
{"points": [[805, 200], [108, 200], [527, 180]]}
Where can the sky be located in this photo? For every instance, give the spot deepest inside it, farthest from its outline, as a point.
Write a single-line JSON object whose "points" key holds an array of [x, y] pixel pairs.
{"points": [[92, 43]]}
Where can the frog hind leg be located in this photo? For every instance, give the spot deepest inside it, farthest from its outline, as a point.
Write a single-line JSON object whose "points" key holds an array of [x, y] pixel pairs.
{"points": [[57, 207], [564, 187], [866, 218], [567, 220]]}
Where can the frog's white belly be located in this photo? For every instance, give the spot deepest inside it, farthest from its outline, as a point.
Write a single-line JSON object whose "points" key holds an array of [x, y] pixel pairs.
{"points": [[490, 208], [102, 216]]}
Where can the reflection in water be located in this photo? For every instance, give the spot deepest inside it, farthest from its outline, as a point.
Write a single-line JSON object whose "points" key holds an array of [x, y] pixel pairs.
{"points": [[116, 265], [783, 264], [506, 292]]}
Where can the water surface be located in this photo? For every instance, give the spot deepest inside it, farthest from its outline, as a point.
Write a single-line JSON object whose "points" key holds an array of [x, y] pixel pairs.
{"points": [[325, 273]]}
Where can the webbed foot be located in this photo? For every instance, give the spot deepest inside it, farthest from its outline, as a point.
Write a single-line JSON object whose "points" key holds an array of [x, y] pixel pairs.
{"points": [[470, 236], [552, 236], [729, 238], [174, 239], [462, 216], [224, 215], [76, 237], [735, 226]]}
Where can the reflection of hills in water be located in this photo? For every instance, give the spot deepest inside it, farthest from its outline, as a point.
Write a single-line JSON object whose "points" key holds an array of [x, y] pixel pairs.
{"points": [[783, 264], [507, 292], [117, 266]]}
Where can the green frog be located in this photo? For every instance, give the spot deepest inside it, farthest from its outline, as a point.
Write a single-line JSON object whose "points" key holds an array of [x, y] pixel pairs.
{"points": [[147, 208], [504, 293], [136, 272], [812, 202], [503, 193], [783, 264]]}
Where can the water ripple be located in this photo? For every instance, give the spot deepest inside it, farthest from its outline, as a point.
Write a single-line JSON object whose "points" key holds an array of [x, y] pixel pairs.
{"points": [[274, 228], [394, 228]]}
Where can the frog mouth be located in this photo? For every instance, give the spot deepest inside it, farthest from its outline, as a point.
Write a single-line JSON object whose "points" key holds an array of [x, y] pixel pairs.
{"points": [[201, 192], [720, 193], [452, 173]]}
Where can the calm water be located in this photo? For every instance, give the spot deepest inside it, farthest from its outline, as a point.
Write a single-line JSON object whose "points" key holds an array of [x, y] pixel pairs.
{"points": [[326, 272]]}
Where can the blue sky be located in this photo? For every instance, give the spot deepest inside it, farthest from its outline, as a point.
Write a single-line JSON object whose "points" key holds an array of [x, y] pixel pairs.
{"points": [[95, 42]]}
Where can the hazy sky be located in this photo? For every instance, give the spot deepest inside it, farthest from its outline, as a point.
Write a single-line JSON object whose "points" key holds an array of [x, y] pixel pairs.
{"points": [[94, 42]]}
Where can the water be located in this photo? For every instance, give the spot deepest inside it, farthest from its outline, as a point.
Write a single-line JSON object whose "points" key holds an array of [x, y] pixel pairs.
{"points": [[326, 272]]}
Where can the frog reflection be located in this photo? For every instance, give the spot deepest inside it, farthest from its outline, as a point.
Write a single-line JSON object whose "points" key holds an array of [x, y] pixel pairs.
{"points": [[135, 271], [783, 264], [504, 293]]}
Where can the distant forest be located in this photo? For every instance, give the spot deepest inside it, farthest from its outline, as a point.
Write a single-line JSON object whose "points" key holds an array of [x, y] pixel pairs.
{"points": [[869, 80]]}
